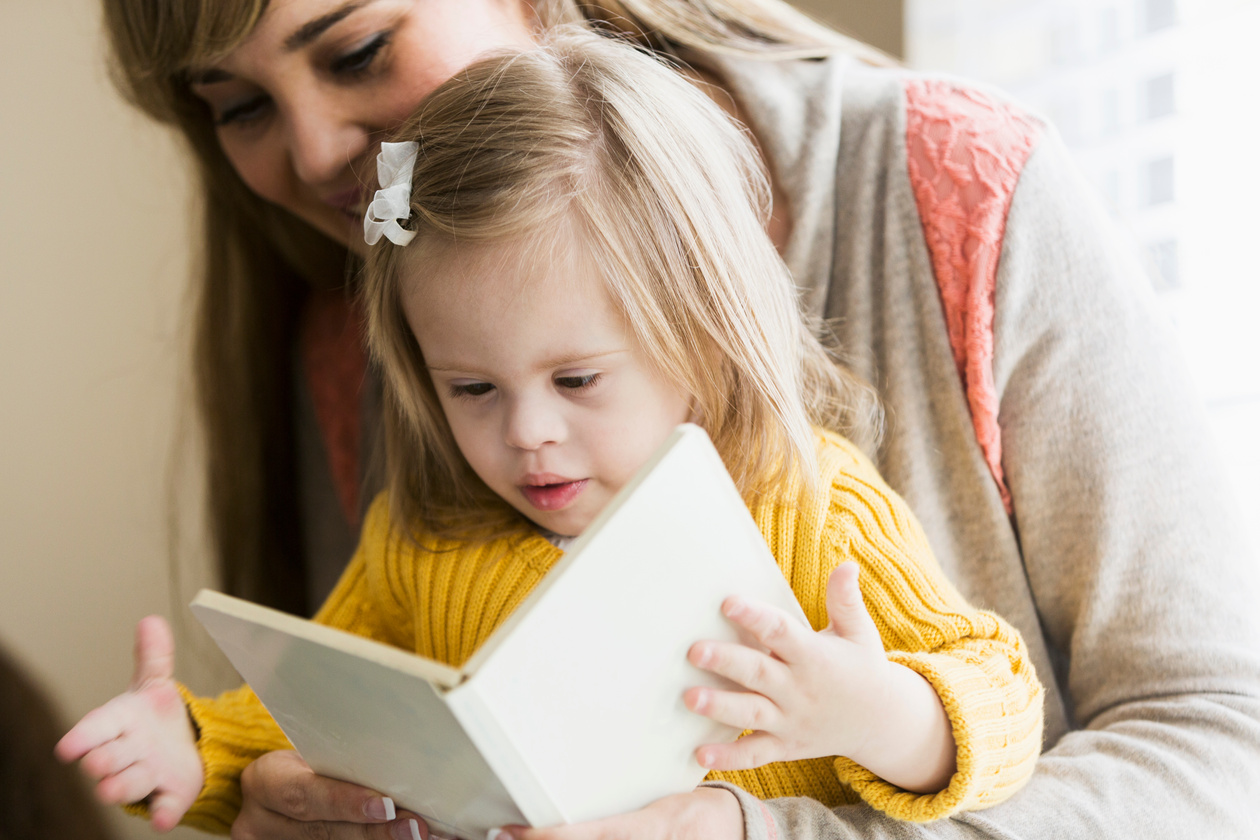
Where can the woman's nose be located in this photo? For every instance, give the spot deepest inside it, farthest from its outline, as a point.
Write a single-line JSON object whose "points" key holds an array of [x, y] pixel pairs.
{"points": [[532, 423], [323, 142]]}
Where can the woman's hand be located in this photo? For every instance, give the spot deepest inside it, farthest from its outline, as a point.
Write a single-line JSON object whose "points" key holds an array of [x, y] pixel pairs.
{"points": [[140, 745], [706, 813], [833, 692], [282, 797]]}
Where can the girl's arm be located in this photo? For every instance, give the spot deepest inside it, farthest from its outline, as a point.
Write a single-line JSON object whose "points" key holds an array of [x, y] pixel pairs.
{"points": [[948, 719], [184, 755]]}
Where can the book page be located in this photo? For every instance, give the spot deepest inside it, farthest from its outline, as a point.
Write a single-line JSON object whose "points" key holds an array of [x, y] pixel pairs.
{"points": [[588, 684], [364, 712]]}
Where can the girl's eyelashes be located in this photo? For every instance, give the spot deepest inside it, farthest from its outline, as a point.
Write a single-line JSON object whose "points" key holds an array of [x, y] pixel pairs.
{"points": [[471, 389], [359, 61], [577, 383]]}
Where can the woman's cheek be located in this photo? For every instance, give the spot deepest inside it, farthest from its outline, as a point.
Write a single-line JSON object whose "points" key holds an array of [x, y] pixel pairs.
{"points": [[260, 167]]}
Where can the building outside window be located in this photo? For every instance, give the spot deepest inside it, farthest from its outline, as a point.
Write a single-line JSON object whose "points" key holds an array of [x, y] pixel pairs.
{"points": [[1155, 99]]}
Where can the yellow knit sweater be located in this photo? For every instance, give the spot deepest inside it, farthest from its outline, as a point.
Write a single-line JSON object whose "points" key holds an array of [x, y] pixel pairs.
{"points": [[444, 604]]}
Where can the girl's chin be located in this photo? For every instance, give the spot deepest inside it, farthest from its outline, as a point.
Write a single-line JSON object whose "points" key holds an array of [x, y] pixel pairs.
{"points": [[564, 526]]}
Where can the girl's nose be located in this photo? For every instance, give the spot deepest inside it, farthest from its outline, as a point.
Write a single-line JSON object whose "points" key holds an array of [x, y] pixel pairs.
{"points": [[323, 142], [531, 424]]}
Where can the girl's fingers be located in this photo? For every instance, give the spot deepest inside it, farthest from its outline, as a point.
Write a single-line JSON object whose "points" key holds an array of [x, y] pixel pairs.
{"points": [[779, 632], [846, 611], [110, 758], [166, 809], [752, 669], [154, 652], [131, 784], [99, 726], [750, 751], [738, 709]]}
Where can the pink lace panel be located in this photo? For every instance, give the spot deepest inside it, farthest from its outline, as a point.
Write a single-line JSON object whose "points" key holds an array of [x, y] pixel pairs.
{"points": [[965, 152], [334, 360]]}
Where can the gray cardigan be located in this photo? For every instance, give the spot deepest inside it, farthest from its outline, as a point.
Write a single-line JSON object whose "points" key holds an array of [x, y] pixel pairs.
{"points": [[1122, 562]]}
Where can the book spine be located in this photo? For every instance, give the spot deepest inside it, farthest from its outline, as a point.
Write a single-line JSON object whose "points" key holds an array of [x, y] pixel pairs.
{"points": [[500, 752]]}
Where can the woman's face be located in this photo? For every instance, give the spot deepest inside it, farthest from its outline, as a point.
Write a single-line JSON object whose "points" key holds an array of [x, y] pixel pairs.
{"points": [[300, 107]]}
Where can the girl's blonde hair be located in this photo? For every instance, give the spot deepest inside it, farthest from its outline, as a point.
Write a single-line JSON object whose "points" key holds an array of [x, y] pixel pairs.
{"points": [[671, 201], [258, 263]]}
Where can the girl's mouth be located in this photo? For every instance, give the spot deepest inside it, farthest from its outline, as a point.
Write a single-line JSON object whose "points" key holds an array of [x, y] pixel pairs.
{"points": [[553, 496]]}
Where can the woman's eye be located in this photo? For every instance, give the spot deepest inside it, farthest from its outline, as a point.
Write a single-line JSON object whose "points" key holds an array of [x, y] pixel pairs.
{"points": [[472, 389], [244, 112], [360, 60], [577, 383]]}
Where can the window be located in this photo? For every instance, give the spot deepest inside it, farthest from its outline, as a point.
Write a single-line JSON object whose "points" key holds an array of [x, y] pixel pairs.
{"points": [[1159, 181], [1159, 14], [1110, 187], [1159, 97], [1108, 30], [1164, 258], [1063, 44], [1110, 106]]}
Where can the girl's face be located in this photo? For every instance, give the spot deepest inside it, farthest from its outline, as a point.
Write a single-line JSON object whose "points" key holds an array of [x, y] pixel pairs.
{"points": [[300, 107], [549, 397]]}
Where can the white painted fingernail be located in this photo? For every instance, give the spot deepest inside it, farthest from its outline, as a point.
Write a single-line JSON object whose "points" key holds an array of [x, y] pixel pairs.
{"points": [[415, 830], [498, 834], [381, 808]]}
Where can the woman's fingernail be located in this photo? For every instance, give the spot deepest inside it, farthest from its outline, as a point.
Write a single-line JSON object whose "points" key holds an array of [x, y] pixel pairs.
{"points": [[381, 808], [406, 830], [498, 834]]}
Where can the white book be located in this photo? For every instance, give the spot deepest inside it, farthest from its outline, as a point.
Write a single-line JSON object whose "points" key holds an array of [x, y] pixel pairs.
{"points": [[572, 710]]}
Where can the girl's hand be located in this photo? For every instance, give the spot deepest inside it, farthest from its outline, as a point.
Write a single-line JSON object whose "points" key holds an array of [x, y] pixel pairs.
{"points": [[833, 692], [140, 745], [706, 813]]}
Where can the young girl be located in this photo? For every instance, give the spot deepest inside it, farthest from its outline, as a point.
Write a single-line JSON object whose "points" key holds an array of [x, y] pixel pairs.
{"points": [[576, 263]]}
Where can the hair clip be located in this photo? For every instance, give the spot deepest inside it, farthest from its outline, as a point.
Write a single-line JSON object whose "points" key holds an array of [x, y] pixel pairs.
{"points": [[392, 202]]}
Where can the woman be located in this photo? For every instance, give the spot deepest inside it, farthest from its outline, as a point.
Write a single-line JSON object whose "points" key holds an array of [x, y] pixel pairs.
{"points": [[1039, 425]]}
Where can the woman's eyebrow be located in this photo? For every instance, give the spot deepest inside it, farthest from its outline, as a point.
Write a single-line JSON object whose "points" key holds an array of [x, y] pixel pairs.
{"points": [[307, 33], [312, 29]]}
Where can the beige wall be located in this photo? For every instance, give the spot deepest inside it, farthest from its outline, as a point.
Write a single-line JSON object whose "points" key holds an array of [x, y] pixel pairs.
{"points": [[878, 22], [94, 221]]}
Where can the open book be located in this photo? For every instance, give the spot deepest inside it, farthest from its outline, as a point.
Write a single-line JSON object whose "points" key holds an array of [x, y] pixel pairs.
{"points": [[572, 709]]}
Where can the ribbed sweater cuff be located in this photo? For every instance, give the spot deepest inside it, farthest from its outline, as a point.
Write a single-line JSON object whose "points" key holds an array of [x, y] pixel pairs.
{"points": [[997, 745], [235, 729]]}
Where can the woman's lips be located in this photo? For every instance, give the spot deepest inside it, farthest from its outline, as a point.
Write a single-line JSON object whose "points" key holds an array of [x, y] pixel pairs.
{"points": [[553, 496], [349, 202]]}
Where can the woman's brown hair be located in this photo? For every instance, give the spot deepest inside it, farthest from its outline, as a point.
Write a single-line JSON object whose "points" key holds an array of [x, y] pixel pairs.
{"points": [[258, 262]]}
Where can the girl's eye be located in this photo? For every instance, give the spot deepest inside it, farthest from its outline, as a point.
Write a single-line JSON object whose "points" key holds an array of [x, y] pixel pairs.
{"points": [[577, 383], [245, 112], [359, 61], [472, 389]]}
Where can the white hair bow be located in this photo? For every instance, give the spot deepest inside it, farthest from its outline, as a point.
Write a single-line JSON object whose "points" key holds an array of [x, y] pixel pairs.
{"points": [[392, 202]]}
